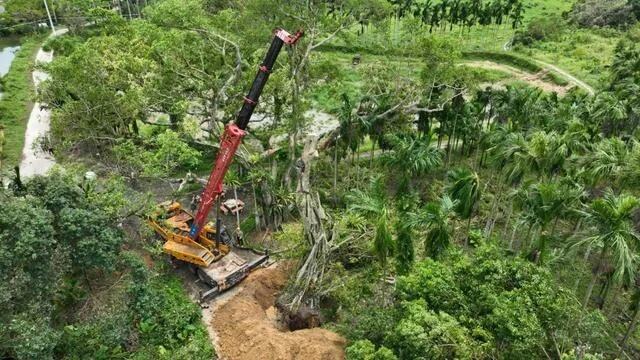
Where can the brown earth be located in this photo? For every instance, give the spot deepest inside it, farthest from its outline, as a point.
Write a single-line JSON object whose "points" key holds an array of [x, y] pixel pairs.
{"points": [[246, 325]]}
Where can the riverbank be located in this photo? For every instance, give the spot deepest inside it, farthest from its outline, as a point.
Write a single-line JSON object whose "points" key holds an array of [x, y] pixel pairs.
{"points": [[18, 100]]}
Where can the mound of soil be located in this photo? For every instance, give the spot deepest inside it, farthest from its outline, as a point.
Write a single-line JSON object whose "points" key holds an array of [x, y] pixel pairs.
{"points": [[247, 327]]}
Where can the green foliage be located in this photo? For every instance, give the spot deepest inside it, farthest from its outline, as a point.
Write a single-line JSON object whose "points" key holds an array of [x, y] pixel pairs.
{"points": [[436, 219], [167, 322], [59, 239], [481, 305], [375, 205], [405, 252], [538, 29], [171, 152], [62, 45], [591, 13], [422, 333], [464, 189], [166, 153], [614, 233], [93, 241], [414, 156], [365, 350]]}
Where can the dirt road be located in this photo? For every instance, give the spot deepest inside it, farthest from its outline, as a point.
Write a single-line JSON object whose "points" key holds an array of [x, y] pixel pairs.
{"points": [[568, 76], [534, 79]]}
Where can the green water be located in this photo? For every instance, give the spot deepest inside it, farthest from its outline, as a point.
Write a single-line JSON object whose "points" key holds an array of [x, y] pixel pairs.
{"points": [[8, 49]]}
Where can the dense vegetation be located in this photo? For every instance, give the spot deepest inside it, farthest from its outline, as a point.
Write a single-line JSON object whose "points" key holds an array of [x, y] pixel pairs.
{"points": [[468, 219], [69, 287]]}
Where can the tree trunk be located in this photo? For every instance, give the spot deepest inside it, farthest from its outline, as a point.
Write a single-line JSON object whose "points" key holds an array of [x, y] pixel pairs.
{"points": [[256, 210], [466, 239], [513, 236], [488, 229], [373, 151], [508, 219], [631, 328], [453, 135], [129, 9], [335, 175], [594, 279]]}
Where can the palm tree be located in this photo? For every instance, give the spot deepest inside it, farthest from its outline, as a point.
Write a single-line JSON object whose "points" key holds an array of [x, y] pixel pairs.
{"points": [[608, 160], [436, 218], [505, 156], [413, 156], [351, 130], [405, 252], [464, 188], [613, 233], [610, 112], [546, 204], [373, 203], [546, 152], [631, 173]]}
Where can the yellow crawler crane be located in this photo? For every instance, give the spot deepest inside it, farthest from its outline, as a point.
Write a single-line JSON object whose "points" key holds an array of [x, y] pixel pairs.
{"points": [[189, 237]]}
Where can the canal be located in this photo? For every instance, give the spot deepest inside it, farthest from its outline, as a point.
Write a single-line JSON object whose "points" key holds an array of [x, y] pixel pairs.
{"points": [[8, 49]]}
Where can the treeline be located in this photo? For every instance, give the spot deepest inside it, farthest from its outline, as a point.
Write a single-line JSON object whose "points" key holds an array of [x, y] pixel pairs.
{"points": [[463, 13]]}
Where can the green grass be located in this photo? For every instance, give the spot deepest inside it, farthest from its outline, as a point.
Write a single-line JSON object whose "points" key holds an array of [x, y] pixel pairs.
{"points": [[480, 75], [17, 100], [585, 53], [505, 58]]}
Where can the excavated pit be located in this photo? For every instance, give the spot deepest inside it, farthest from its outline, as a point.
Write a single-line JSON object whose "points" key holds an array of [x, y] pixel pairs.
{"points": [[247, 325]]}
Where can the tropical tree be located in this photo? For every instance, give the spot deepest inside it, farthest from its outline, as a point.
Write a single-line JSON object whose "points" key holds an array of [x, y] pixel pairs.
{"points": [[374, 204], [545, 204], [464, 188], [610, 112], [609, 160], [405, 252], [613, 233], [546, 153], [436, 219], [412, 156]]}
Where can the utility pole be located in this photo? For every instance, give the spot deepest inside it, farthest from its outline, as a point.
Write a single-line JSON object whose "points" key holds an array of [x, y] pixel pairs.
{"points": [[53, 29]]}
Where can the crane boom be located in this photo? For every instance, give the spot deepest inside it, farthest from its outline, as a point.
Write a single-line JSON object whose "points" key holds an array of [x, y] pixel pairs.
{"points": [[234, 132]]}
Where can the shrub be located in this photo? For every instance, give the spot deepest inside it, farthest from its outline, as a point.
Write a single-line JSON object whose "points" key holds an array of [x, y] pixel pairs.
{"points": [[542, 28], [601, 13], [365, 350]]}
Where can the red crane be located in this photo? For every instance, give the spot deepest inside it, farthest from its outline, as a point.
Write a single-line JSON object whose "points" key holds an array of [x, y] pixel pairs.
{"points": [[234, 132]]}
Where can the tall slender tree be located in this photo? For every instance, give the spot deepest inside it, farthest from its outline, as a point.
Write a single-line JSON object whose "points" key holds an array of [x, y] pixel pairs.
{"points": [[613, 233]]}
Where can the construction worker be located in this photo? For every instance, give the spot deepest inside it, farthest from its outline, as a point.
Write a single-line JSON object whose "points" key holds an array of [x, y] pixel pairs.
{"points": [[193, 205]]}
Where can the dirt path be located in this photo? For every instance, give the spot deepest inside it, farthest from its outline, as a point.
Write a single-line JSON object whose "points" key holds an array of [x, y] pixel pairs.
{"points": [[568, 76], [243, 324], [34, 160], [535, 79]]}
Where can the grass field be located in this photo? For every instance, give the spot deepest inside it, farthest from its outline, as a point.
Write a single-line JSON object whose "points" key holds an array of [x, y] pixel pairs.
{"points": [[585, 53], [17, 100]]}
